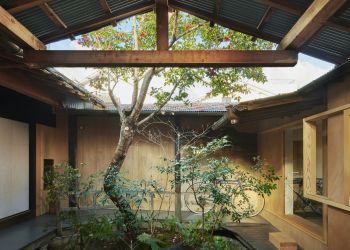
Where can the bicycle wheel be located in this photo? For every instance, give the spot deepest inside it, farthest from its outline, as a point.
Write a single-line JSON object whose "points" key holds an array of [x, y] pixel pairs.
{"points": [[199, 202], [249, 203]]}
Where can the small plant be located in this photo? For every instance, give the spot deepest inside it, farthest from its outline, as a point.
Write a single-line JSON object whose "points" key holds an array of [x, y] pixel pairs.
{"points": [[218, 190]]}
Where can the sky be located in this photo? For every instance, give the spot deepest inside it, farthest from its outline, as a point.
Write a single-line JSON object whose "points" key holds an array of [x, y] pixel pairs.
{"points": [[279, 79]]}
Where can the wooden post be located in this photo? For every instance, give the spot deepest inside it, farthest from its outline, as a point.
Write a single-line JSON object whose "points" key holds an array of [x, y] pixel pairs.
{"points": [[162, 24]]}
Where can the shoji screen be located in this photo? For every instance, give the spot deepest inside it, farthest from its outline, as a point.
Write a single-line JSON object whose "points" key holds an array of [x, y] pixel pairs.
{"points": [[14, 167]]}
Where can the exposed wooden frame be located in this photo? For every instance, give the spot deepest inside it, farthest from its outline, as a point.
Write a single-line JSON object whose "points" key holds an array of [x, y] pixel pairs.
{"points": [[105, 6], [98, 22], [266, 17], [188, 58], [18, 31], [310, 22], [309, 137], [162, 24], [225, 22], [296, 9], [347, 156], [21, 5], [53, 16], [217, 7]]}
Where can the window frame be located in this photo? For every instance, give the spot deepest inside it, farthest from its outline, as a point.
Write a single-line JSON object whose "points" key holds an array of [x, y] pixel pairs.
{"points": [[309, 152]]}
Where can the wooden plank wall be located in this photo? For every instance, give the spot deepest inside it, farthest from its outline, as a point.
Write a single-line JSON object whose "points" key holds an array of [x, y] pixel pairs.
{"points": [[51, 143], [338, 220], [97, 139]]}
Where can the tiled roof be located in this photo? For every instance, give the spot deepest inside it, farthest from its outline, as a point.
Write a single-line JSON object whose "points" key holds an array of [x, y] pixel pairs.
{"points": [[216, 108]]}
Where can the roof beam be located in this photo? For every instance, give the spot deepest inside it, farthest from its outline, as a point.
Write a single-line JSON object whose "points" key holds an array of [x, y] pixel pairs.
{"points": [[310, 22], [105, 6], [164, 58], [217, 7], [225, 22], [266, 17], [298, 10], [21, 5], [98, 22], [53, 16], [162, 24], [18, 31]]}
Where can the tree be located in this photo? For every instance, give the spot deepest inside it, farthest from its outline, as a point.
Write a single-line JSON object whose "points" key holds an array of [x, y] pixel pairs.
{"points": [[186, 32]]}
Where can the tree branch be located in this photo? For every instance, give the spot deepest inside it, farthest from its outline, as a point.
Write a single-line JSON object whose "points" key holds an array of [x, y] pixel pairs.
{"points": [[115, 101], [136, 70], [149, 117], [177, 38], [135, 113]]}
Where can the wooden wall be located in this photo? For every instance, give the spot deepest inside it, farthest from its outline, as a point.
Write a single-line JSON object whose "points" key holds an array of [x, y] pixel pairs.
{"points": [[98, 137], [338, 220], [51, 143], [271, 146]]}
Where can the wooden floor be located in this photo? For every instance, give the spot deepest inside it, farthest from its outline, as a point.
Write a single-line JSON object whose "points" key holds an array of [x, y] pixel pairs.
{"points": [[255, 231]]}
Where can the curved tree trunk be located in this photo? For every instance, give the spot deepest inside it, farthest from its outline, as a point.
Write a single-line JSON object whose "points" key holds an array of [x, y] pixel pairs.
{"points": [[127, 133]]}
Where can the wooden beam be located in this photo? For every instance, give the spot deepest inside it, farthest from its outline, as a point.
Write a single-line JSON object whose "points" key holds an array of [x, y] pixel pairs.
{"points": [[9, 24], [217, 7], [21, 5], [266, 17], [105, 6], [53, 16], [298, 10], [225, 22], [98, 22], [199, 58], [162, 24], [310, 22], [22, 83]]}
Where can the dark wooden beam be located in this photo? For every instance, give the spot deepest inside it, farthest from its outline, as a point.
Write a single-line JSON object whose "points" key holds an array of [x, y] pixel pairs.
{"points": [[53, 16], [10, 25], [21, 5], [105, 6], [98, 22], [162, 24], [217, 7], [225, 22], [199, 58], [310, 22], [266, 17], [296, 9]]}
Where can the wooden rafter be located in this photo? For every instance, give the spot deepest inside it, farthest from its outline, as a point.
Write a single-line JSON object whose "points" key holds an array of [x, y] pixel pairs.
{"points": [[21, 5], [105, 6], [266, 17], [53, 16], [217, 7], [225, 22], [162, 25], [98, 22], [10, 25], [164, 58], [310, 22], [296, 9]]}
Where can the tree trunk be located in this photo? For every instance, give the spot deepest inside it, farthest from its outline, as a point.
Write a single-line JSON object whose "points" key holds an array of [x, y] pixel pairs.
{"points": [[127, 133]]}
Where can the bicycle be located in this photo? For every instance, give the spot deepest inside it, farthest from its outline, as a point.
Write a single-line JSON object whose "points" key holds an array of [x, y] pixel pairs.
{"points": [[246, 201]]}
